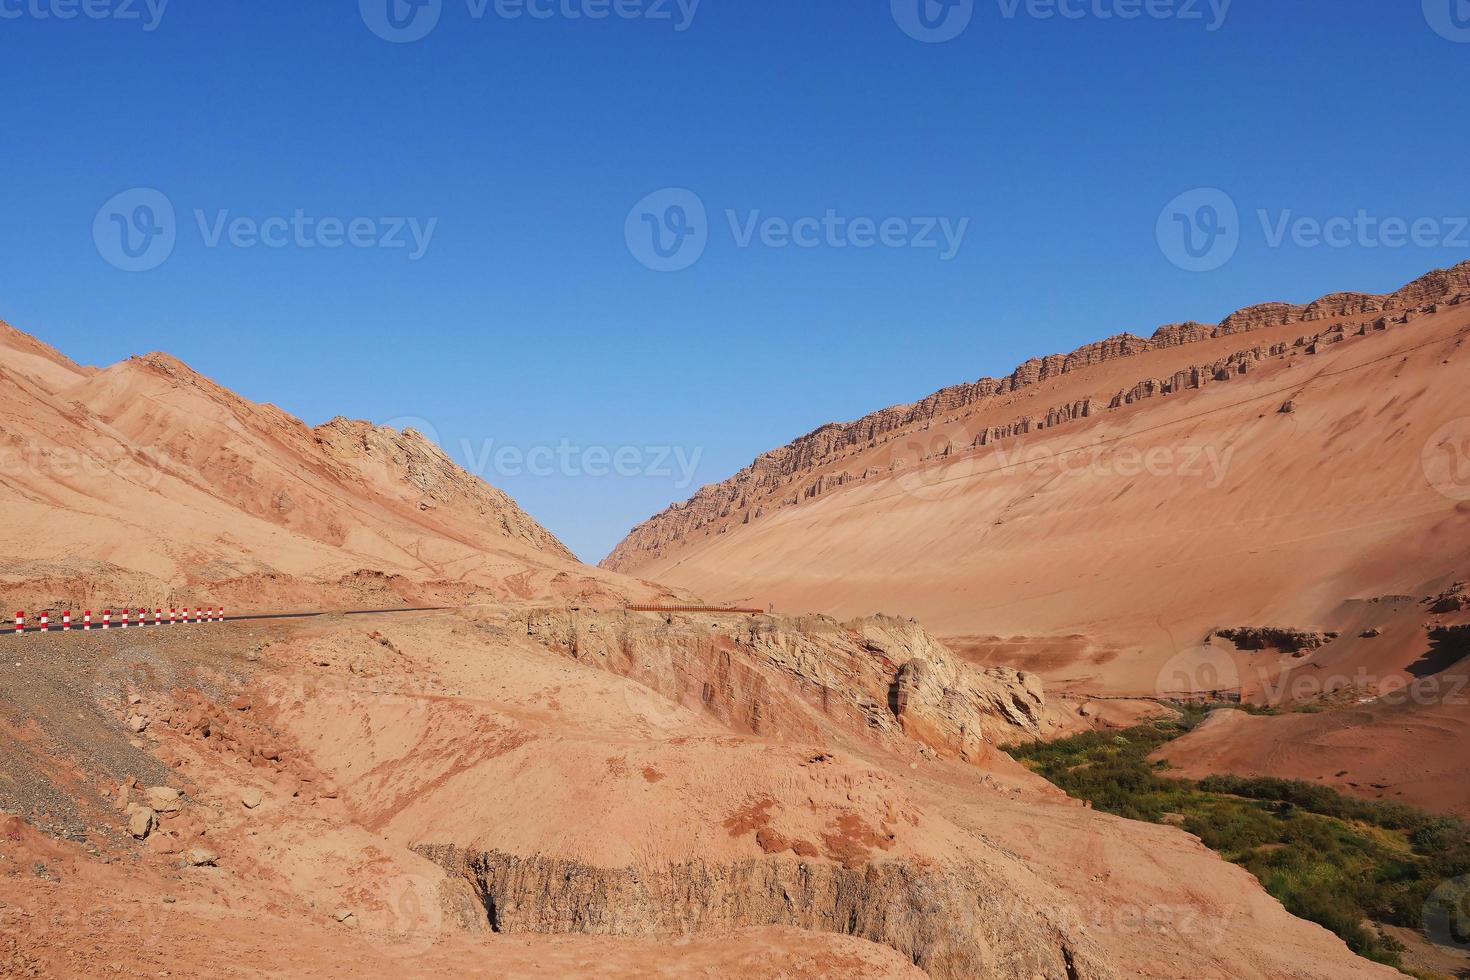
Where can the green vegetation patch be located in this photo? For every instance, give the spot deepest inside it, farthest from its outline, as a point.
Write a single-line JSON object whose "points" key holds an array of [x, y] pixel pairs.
{"points": [[1329, 858]]}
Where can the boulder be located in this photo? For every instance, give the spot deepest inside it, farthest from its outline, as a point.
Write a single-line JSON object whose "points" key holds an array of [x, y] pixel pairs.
{"points": [[141, 821], [164, 799]]}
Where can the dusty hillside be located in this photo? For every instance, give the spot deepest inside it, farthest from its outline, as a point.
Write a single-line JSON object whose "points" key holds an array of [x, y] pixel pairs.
{"points": [[539, 791], [145, 480], [1380, 711], [1118, 504]]}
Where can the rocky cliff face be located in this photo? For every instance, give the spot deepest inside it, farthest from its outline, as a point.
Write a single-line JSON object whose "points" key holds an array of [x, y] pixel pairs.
{"points": [[431, 481], [951, 922], [787, 677], [785, 476]]}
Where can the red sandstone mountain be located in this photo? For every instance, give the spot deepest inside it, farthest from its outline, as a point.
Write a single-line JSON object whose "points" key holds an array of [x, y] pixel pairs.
{"points": [[1138, 492], [145, 480]]}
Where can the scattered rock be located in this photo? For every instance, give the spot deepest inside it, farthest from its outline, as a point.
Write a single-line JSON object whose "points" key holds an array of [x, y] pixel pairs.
{"points": [[1287, 408], [1371, 632], [200, 857], [1451, 600], [141, 821], [251, 798], [164, 799], [137, 723], [342, 915]]}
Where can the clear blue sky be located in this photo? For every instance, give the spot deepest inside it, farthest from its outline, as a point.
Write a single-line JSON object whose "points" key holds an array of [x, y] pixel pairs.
{"points": [[529, 321]]}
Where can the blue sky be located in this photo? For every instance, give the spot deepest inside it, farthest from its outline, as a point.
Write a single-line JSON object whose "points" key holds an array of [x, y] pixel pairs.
{"points": [[519, 147]]}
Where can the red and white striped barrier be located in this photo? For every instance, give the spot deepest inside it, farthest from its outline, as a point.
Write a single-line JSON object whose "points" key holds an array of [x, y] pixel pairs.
{"points": [[202, 614]]}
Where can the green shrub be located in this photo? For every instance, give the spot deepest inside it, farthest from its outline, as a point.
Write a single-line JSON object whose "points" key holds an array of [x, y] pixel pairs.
{"points": [[1328, 858]]}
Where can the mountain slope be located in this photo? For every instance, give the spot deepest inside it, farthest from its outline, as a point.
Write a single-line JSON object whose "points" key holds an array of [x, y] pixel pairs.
{"points": [[146, 479], [1123, 500]]}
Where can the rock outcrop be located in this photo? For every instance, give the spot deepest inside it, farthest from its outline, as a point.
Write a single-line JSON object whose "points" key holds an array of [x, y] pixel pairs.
{"points": [[1276, 638], [956, 923], [882, 676]]}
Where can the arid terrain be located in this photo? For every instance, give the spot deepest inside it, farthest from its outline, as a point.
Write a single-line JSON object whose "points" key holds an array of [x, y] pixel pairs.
{"points": [[1096, 518], [536, 780], [529, 790]]}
